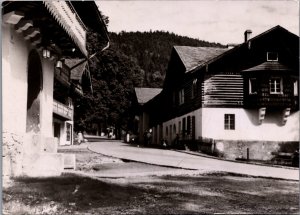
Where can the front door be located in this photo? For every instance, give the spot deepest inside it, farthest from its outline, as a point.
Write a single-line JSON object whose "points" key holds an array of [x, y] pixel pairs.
{"points": [[69, 133], [56, 131]]}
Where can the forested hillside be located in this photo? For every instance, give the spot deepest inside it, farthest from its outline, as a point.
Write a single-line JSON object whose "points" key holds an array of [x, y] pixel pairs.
{"points": [[151, 51], [132, 60]]}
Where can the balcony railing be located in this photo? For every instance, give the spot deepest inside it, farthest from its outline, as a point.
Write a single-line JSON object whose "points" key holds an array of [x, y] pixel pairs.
{"points": [[62, 110], [70, 21]]}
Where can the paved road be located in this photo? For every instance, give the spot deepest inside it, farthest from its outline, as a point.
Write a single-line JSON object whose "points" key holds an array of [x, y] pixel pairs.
{"points": [[182, 160]]}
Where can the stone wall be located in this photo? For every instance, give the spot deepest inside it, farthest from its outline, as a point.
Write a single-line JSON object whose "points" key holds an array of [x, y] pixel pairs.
{"points": [[258, 150], [30, 155], [12, 154]]}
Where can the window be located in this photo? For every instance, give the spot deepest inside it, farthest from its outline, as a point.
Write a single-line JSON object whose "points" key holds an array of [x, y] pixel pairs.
{"points": [[275, 85], [167, 131], [229, 121], [252, 86], [181, 96], [295, 87], [272, 56], [183, 126], [188, 122], [179, 127], [194, 89]]}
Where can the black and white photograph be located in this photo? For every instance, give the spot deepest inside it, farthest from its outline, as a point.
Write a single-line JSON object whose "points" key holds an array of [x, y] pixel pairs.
{"points": [[150, 107]]}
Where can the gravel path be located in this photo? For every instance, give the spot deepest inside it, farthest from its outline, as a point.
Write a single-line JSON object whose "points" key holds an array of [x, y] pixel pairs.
{"points": [[97, 165]]}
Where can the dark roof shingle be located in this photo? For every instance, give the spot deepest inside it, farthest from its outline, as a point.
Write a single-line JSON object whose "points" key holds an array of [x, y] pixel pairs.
{"points": [[145, 94], [195, 56], [268, 66]]}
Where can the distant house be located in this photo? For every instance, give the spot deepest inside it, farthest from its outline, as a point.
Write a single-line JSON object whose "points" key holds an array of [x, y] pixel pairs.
{"points": [[142, 96], [44, 59], [239, 102]]}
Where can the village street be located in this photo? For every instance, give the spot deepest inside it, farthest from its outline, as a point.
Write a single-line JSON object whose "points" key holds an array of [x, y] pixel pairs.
{"points": [[172, 158], [109, 185]]}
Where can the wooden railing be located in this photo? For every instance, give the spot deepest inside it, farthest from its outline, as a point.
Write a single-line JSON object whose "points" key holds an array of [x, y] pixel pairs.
{"points": [[62, 110]]}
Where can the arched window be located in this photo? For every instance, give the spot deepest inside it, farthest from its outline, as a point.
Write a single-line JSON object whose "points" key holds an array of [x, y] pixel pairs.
{"points": [[34, 87]]}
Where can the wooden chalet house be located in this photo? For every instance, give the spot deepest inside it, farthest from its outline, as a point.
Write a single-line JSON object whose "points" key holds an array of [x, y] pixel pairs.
{"points": [[44, 59], [240, 102]]}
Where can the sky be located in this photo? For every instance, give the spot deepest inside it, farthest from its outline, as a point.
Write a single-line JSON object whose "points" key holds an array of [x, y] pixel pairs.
{"points": [[222, 21]]}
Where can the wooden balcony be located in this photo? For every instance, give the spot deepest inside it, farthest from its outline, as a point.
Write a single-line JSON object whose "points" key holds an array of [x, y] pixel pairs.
{"points": [[62, 110]]}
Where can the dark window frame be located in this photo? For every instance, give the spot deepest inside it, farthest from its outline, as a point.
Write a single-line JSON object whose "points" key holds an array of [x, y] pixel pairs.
{"points": [[276, 85], [229, 121], [272, 56]]}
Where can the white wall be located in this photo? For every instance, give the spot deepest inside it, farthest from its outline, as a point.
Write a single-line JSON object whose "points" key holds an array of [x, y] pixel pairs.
{"points": [[14, 80], [210, 124], [247, 126], [15, 51]]}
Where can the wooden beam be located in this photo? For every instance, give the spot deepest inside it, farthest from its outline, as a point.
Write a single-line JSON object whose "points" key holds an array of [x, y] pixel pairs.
{"points": [[13, 17], [23, 25], [36, 40], [31, 32]]}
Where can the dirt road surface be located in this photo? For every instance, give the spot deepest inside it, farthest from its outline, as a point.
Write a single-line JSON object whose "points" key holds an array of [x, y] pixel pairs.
{"points": [[155, 190]]}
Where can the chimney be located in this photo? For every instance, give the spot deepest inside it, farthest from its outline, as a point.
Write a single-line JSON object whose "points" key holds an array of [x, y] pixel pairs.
{"points": [[247, 35]]}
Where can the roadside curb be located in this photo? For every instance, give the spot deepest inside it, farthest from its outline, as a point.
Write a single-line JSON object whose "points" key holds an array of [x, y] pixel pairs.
{"points": [[234, 161]]}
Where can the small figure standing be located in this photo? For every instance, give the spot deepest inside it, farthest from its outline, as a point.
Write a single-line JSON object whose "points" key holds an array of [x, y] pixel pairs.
{"points": [[164, 143], [80, 137], [149, 137]]}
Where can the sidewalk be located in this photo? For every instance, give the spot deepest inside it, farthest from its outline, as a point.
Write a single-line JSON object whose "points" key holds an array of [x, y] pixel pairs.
{"points": [[177, 159]]}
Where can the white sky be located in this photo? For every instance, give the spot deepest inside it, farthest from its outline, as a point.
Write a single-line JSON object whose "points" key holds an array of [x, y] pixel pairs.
{"points": [[214, 21]]}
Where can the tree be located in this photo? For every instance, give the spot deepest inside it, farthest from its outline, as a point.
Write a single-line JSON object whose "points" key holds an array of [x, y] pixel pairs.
{"points": [[114, 77]]}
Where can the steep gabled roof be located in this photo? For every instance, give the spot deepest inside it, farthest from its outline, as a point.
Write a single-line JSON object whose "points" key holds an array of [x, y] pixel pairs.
{"points": [[192, 57], [237, 47], [145, 94], [76, 73]]}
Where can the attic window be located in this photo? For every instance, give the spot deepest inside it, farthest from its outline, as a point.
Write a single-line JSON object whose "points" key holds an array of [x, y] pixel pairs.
{"points": [[272, 56]]}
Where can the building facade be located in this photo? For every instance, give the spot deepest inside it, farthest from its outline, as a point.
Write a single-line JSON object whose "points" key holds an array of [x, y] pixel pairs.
{"points": [[239, 103], [38, 39], [141, 120]]}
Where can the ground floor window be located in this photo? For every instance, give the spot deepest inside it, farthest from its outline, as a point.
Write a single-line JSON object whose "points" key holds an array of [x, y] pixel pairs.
{"points": [[229, 121]]}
